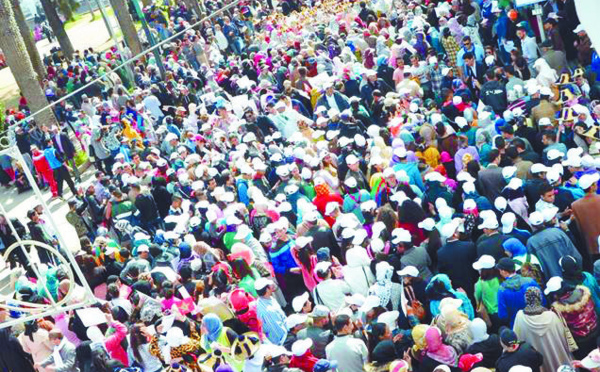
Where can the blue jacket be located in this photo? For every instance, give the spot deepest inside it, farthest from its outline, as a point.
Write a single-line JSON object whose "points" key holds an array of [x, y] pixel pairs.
{"points": [[412, 170], [511, 296]]}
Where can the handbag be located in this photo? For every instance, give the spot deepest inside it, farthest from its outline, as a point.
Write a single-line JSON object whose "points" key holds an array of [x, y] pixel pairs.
{"points": [[568, 335], [483, 314], [417, 307]]}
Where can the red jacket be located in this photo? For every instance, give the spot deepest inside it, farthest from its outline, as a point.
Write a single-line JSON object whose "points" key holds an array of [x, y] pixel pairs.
{"points": [[305, 362], [40, 163]]}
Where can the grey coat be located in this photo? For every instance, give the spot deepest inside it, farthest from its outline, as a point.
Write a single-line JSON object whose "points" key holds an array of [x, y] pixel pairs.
{"points": [[67, 353]]}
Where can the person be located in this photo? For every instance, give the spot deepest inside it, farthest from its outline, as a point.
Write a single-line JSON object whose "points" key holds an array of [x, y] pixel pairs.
{"points": [[511, 295], [544, 330], [62, 358], [269, 312], [574, 275], [65, 148], [437, 353], [350, 352], [35, 341], [587, 225], [487, 344], [59, 169], [516, 353], [486, 288], [319, 331], [330, 292], [453, 255]]}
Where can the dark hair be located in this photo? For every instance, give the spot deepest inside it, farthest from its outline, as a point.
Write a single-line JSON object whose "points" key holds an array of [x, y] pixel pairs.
{"points": [[340, 322], [512, 152], [468, 55], [377, 331], [489, 274], [493, 154], [167, 290], [137, 339], [500, 143], [240, 268], [519, 143], [410, 212], [490, 74], [303, 255], [388, 217], [112, 292], [545, 187], [550, 134], [30, 328]]}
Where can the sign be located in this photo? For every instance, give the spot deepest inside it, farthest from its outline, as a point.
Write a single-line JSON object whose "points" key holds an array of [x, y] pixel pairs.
{"points": [[520, 3]]}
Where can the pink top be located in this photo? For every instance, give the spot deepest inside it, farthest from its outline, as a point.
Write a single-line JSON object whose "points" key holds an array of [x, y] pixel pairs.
{"points": [[113, 343], [310, 278]]}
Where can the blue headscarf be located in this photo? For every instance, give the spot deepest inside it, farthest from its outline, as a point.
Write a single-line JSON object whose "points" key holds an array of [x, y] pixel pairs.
{"points": [[213, 325], [515, 247]]}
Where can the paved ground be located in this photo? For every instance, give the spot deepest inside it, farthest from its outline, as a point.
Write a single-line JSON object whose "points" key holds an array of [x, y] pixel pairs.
{"points": [[84, 35]]}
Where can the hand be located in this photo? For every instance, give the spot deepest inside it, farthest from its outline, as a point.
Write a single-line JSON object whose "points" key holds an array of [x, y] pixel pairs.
{"points": [[461, 290], [398, 337], [407, 358]]}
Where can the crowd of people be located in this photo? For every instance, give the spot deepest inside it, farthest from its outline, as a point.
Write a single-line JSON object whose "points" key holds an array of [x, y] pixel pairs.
{"points": [[353, 186]]}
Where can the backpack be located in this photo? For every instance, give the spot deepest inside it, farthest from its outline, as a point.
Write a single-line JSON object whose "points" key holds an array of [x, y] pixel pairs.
{"points": [[531, 270]]}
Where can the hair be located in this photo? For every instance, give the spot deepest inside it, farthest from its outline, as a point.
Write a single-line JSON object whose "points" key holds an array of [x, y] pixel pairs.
{"points": [[167, 290], [519, 143], [377, 331], [388, 217], [112, 292], [493, 155], [545, 187], [55, 334], [490, 74], [489, 274], [30, 328], [549, 134], [241, 269], [468, 55], [340, 322], [137, 339], [499, 142], [410, 212], [304, 255]]}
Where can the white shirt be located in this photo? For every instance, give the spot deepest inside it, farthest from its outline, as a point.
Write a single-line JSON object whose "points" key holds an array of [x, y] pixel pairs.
{"points": [[332, 293], [152, 104], [351, 353], [331, 102], [530, 49]]}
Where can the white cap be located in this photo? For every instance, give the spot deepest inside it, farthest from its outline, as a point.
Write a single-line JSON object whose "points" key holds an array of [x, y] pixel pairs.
{"points": [[489, 222], [461, 121], [344, 141], [261, 283], [300, 347], [484, 262], [469, 188], [587, 180], [549, 213], [427, 224], [538, 168], [553, 285], [465, 177], [520, 368], [302, 241], [572, 160], [469, 204], [500, 203], [400, 235], [356, 299], [311, 216], [592, 360], [400, 152], [369, 205], [536, 218], [449, 229], [408, 271], [299, 301], [508, 172], [508, 221], [351, 159], [294, 320], [359, 236], [515, 183], [389, 318], [143, 248], [232, 220], [322, 266], [579, 29], [330, 207], [554, 154], [552, 176], [545, 91], [544, 122], [434, 177], [351, 182]]}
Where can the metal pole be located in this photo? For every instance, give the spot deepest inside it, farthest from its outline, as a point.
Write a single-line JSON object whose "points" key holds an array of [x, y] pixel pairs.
{"points": [[51, 312], [130, 60], [62, 242], [150, 38], [539, 11]]}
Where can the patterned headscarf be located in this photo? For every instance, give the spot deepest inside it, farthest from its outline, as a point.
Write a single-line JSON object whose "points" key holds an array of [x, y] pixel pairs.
{"points": [[533, 299]]}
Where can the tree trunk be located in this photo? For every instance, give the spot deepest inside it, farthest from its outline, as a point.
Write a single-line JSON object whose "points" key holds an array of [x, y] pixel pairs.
{"points": [[130, 34], [34, 55], [58, 28], [14, 49]]}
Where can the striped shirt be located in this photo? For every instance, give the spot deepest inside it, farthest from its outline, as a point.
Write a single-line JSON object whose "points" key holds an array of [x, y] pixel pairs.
{"points": [[273, 320]]}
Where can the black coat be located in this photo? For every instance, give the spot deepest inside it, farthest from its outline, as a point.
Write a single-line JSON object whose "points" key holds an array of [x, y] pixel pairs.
{"points": [[12, 356], [490, 349], [68, 150], [525, 355], [455, 259]]}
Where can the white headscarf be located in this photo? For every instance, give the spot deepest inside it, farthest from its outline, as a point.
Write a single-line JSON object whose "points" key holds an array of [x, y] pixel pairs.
{"points": [[478, 330]]}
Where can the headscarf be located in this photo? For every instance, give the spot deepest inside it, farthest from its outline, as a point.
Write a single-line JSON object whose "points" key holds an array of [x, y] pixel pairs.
{"points": [[453, 319], [418, 335], [515, 247], [533, 301], [322, 189], [383, 287], [478, 330], [437, 350], [213, 325]]}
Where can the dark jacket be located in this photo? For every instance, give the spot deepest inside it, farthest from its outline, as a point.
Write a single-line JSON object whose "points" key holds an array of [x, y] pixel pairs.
{"points": [[340, 100], [490, 349], [491, 245], [147, 207], [493, 93], [12, 356], [68, 150], [455, 260], [525, 355]]}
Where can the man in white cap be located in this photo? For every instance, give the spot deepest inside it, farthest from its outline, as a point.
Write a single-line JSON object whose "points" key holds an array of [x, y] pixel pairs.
{"points": [[330, 292], [490, 242], [586, 210], [319, 331], [269, 312], [549, 243]]}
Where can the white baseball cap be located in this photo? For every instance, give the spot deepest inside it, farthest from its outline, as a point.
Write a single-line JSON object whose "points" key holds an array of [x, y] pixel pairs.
{"points": [[587, 180], [294, 320], [408, 271], [427, 224], [400, 235], [299, 301], [538, 168], [489, 222], [508, 221], [484, 262], [553, 285], [536, 218], [300, 347]]}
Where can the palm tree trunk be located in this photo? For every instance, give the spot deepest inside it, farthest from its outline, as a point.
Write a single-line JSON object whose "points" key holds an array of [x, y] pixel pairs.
{"points": [[58, 28], [13, 46], [32, 50], [130, 34]]}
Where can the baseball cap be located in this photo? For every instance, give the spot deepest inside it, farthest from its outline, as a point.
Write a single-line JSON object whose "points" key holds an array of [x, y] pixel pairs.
{"points": [[261, 283], [508, 221], [489, 222], [319, 311], [592, 360], [294, 320], [324, 365], [506, 264], [427, 224], [299, 301], [409, 271], [536, 218], [553, 285], [300, 347], [400, 235], [484, 262], [587, 180], [508, 337]]}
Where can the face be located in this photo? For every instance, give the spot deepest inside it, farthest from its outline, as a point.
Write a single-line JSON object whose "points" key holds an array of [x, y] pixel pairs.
{"points": [[55, 341], [467, 43], [549, 197], [307, 308]]}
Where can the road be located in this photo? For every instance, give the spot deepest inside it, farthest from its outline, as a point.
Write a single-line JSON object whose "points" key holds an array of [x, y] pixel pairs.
{"points": [[83, 35]]}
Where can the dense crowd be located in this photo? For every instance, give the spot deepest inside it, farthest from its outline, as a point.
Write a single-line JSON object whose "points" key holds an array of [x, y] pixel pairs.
{"points": [[374, 186]]}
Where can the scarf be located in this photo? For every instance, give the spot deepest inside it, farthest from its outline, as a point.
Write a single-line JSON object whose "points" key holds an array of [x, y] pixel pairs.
{"points": [[533, 301], [58, 362], [213, 325], [478, 330], [418, 335], [383, 286], [436, 349]]}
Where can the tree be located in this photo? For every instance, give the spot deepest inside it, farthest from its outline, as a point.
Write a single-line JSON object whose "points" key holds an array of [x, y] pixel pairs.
{"points": [[130, 34], [13, 46], [58, 28], [25, 32]]}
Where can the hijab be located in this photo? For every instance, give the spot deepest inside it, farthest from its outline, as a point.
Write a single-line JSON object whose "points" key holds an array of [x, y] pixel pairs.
{"points": [[383, 286], [533, 301], [437, 350], [213, 325], [478, 330], [418, 335], [515, 247], [384, 352]]}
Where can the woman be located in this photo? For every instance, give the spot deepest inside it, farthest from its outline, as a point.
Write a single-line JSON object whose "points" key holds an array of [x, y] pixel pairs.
{"points": [[356, 272], [544, 330], [437, 352], [306, 259], [35, 342], [575, 305], [245, 275], [454, 325], [486, 289], [488, 345], [139, 350], [574, 275], [389, 293], [217, 337], [439, 288]]}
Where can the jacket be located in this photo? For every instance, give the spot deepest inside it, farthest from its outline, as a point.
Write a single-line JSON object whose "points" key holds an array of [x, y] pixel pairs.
{"points": [[67, 354], [524, 356], [549, 245], [40, 348], [66, 148], [511, 296], [340, 100], [493, 94]]}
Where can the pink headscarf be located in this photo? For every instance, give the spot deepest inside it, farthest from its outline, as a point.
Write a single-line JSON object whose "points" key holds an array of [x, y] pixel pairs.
{"points": [[436, 349]]}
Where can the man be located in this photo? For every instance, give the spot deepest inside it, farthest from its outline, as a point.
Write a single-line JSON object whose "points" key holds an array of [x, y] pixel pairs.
{"points": [[475, 49], [515, 353], [137, 265], [544, 109], [330, 292], [549, 140], [493, 92], [66, 149], [77, 220], [59, 169], [294, 323], [491, 180], [586, 210], [511, 295], [332, 99], [38, 233], [351, 353], [490, 243], [319, 331], [269, 312], [512, 80], [473, 73], [62, 358], [528, 46], [455, 257], [556, 59], [146, 207]]}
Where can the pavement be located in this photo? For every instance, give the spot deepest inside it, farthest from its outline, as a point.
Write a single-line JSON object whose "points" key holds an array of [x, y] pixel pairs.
{"points": [[86, 34]]}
